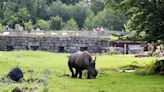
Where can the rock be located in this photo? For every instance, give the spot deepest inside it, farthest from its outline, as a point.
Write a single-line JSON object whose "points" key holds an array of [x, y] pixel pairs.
{"points": [[15, 74], [30, 70], [17, 89], [2, 79], [34, 90]]}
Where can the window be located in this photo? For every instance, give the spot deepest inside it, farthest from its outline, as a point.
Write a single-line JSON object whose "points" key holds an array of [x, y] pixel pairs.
{"points": [[10, 48], [61, 49], [34, 48], [83, 48]]}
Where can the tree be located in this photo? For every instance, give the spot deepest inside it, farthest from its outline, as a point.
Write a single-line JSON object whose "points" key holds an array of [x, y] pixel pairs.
{"points": [[113, 4], [23, 15], [97, 6], [113, 20], [80, 13], [89, 22], [28, 25], [70, 25], [60, 9], [18, 18], [42, 24], [1, 27], [12, 21], [56, 23], [147, 16], [70, 1], [8, 11]]}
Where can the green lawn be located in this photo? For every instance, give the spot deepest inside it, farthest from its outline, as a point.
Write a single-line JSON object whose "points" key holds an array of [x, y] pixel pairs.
{"points": [[56, 64]]}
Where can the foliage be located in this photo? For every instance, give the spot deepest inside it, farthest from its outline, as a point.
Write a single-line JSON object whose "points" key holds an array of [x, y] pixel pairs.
{"points": [[157, 67], [89, 22], [28, 25], [113, 20], [70, 25], [147, 16], [97, 6], [70, 1], [60, 9], [113, 37], [113, 4], [56, 23], [42, 24], [80, 13], [1, 27], [19, 18], [87, 16]]}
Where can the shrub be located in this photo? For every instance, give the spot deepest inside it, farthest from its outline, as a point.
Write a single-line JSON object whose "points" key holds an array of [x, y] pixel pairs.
{"points": [[56, 23], [158, 67], [42, 24]]}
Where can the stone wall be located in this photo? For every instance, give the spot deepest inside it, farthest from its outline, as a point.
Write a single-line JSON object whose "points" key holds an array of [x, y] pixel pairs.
{"points": [[54, 44]]}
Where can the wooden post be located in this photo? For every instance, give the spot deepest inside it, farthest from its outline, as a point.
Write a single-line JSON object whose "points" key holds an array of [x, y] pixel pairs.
{"points": [[125, 48]]}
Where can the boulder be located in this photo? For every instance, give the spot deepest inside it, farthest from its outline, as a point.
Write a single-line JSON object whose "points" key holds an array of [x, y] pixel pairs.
{"points": [[17, 89], [15, 74]]}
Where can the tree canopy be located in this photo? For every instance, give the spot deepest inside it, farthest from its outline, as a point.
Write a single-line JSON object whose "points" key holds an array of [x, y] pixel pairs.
{"points": [[143, 16], [59, 14]]}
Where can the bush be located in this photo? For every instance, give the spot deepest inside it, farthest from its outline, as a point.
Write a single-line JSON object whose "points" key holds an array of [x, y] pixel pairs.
{"points": [[28, 25], [158, 67], [71, 25], [42, 24], [1, 27], [56, 23]]}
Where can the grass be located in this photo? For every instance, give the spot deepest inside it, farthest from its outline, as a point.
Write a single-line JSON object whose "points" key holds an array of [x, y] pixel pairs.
{"points": [[106, 81], [112, 37]]}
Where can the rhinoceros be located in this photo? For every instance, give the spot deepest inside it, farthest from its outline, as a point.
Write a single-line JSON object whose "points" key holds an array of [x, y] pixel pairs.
{"points": [[82, 60]]}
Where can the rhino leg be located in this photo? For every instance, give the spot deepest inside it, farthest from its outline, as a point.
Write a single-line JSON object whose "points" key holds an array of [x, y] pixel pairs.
{"points": [[88, 77], [76, 73], [72, 72], [71, 69]]}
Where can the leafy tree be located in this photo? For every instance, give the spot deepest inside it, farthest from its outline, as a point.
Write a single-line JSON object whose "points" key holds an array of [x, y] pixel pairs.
{"points": [[97, 6], [147, 16], [70, 25], [80, 13], [28, 25], [89, 22], [70, 1], [113, 4], [23, 15], [18, 18], [60, 9], [12, 21], [8, 10], [42, 24], [1, 27], [113, 20], [56, 23]]}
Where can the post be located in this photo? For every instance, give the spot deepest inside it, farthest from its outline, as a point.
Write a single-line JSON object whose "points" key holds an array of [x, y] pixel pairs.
{"points": [[125, 48]]}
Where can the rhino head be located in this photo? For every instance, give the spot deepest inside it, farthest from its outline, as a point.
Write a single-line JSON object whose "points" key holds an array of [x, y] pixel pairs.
{"points": [[92, 72]]}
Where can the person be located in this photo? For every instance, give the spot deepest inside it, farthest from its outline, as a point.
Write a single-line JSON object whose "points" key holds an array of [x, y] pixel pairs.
{"points": [[98, 29]]}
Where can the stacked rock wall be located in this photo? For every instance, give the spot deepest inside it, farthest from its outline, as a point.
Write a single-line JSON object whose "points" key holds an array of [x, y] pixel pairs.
{"points": [[54, 44]]}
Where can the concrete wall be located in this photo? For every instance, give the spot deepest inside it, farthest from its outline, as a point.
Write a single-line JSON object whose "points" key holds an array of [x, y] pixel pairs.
{"points": [[54, 44]]}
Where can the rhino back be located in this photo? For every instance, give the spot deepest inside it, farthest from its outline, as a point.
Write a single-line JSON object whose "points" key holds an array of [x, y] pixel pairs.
{"points": [[82, 60]]}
